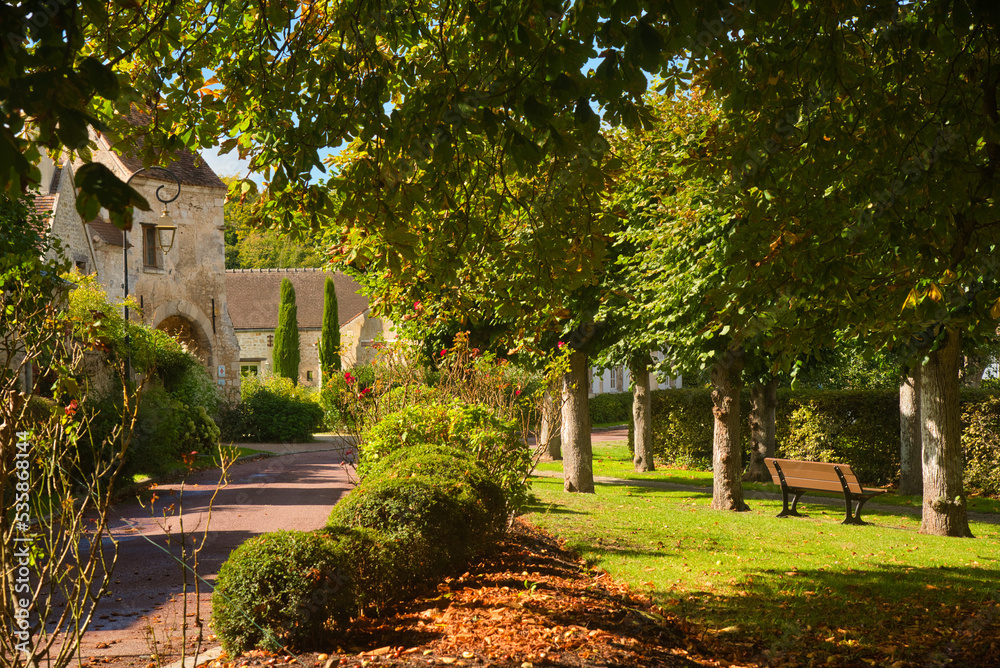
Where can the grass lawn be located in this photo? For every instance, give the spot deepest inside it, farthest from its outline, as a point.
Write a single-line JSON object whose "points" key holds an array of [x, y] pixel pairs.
{"points": [[802, 590]]}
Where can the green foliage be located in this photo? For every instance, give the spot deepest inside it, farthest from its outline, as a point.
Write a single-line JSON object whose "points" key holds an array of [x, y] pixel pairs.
{"points": [[286, 335], [981, 442], [857, 427], [422, 515], [455, 501], [851, 365], [276, 410], [470, 428], [611, 407], [329, 340], [282, 587]]}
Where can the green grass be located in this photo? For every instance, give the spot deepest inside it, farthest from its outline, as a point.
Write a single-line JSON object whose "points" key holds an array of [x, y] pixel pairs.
{"points": [[614, 460], [795, 586]]}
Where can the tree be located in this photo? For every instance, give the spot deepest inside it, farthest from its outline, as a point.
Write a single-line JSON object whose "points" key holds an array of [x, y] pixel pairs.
{"points": [[910, 435], [642, 413], [763, 403], [286, 335], [892, 153], [329, 338]]}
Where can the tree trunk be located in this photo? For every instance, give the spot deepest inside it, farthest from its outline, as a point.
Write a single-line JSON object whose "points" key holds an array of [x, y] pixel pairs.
{"points": [[944, 512], [548, 435], [727, 460], [578, 464], [642, 424], [972, 370], [910, 469], [763, 403]]}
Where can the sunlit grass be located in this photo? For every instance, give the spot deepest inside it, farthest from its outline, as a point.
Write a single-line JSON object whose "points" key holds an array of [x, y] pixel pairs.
{"points": [[791, 584], [613, 459]]}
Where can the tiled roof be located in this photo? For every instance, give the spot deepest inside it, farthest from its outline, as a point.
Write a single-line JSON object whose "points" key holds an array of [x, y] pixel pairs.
{"points": [[254, 295], [189, 167], [106, 232], [45, 204]]}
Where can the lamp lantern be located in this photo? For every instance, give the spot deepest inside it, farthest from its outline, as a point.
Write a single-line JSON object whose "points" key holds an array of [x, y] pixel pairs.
{"points": [[165, 231]]}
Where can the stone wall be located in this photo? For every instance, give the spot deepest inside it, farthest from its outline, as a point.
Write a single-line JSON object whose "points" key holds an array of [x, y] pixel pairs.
{"points": [[356, 337]]}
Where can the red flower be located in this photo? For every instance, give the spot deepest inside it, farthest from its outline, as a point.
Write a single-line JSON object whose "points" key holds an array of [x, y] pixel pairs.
{"points": [[365, 391], [348, 377], [444, 352], [71, 409], [560, 344], [517, 392]]}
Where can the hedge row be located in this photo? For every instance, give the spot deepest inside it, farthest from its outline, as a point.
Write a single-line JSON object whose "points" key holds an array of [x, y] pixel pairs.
{"points": [[613, 407], [420, 513], [860, 427]]}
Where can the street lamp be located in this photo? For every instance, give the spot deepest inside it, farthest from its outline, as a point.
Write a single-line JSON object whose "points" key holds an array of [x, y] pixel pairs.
{"points": [[165, 231]]}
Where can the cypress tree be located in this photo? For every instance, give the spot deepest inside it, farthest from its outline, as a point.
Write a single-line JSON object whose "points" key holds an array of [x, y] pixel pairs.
{"points": [[286, 336], [329, 339]]}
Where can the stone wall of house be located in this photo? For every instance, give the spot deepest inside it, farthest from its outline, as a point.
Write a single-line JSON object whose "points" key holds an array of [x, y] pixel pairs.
{"points": [[67, 225], [188, 287], [355, 338]]}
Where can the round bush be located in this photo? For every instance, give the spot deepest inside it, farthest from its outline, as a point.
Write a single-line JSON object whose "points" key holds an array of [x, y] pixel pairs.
{"points": [[469, 428], [443, 523], [442, 464], [282, 587]]}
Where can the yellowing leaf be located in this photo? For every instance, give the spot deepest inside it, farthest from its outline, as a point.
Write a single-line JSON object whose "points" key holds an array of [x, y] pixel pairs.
{"points": [[995, 311], [935, 293], [912, 299]]}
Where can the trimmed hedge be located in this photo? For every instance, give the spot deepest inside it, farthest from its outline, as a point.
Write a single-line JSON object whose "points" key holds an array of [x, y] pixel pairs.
{"points": [[421, 513], [614, 407], [273, 410], [470, 428], [860, 427], [281, 588]]}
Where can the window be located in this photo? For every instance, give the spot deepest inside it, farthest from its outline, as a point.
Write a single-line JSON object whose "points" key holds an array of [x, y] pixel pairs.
{"points": [[270, 340], [309, 376], [150, 250], [249, 369], [81, 266]]}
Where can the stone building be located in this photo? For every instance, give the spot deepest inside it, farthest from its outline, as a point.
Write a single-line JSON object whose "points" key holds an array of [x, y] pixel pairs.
{"points": [[182, 291], [254, 296]]}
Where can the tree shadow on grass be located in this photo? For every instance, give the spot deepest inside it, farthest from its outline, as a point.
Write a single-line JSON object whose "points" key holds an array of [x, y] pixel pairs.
{"points": [[926, 616]]}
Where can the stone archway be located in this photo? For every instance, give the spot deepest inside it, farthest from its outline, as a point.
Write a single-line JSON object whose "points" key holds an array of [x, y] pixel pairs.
{"points": [[190, 335], [184, 320]]}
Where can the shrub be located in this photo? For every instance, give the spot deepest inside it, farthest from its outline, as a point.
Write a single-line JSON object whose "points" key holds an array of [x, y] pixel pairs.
{"points": [[470, 428], [282, 587], [275, 410], [611, 408], [438, 500], [981, 442]]}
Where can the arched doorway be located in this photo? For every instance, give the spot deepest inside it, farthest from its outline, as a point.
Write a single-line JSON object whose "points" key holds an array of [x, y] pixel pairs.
{"points": [[190, 335]]}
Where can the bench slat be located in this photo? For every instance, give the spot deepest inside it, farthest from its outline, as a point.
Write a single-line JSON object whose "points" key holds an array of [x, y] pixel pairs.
{"points": [[821, 485], [810, 474]]}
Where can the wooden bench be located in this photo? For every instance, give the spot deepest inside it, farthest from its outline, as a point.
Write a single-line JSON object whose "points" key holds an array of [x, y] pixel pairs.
{"points": [[797, 477]]}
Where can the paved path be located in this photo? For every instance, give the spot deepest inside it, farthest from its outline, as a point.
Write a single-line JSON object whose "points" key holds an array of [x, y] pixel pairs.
{"points": [[144, 610]]}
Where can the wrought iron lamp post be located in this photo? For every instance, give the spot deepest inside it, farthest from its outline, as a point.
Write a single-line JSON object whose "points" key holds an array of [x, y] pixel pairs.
{"points": [[165, 231]]}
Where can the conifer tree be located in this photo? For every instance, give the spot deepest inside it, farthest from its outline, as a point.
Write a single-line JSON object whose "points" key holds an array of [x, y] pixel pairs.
{"points": [[286, 337], [329, 340]]}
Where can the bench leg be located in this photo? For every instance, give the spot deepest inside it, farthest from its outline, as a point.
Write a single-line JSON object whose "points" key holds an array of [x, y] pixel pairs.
{"points": [[786, 511], [855, 517]]}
